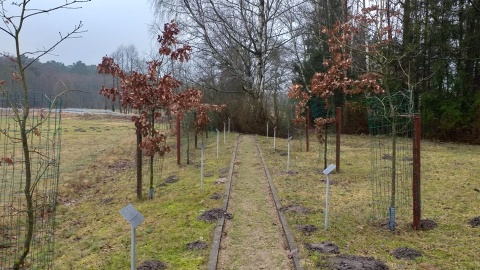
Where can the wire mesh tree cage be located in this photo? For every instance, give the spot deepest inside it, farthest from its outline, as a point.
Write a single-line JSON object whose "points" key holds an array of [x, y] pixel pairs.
{"points": [[390, 120], [27, 208]]}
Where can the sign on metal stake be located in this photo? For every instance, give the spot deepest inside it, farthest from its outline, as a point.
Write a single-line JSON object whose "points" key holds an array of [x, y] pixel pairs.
{"points": [[224, 130], [201, 168], [327, 172], [135, 219], [218, 137], [267, 129], [274, 138], [288, 154]]}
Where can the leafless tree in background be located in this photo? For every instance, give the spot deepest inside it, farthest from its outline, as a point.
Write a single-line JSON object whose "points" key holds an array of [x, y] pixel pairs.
{"points": [[243, 46]]}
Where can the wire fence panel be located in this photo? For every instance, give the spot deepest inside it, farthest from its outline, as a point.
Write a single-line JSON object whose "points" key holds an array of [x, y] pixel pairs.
{"points": [[28, 214], [390, 120]]}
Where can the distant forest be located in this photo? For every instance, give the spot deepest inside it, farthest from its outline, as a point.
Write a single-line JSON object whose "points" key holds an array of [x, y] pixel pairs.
{"points": [[52, 78]]}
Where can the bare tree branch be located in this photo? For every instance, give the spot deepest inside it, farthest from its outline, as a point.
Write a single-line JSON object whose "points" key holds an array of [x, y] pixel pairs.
{"points": [[76, 30]]}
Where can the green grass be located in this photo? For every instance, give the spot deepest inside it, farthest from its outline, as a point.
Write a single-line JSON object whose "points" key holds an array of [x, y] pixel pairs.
{"points": [[449, 176], [91, 234]]}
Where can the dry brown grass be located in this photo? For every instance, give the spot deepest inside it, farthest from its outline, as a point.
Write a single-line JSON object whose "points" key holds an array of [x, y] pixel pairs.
{"points": [[449, 196], [98, 179]]}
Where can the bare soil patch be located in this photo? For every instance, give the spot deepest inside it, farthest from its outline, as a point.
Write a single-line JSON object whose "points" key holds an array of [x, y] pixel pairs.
{"points": [[208, 174], [223, 172], [120, 166], [350, 262], [214, 214], [474, 222], [216, 196], [106, 201], [323, 247], [197, 245], [307, 229], [152, 265], [297, 209], [427, 224], [406, 253], [171, 179]]}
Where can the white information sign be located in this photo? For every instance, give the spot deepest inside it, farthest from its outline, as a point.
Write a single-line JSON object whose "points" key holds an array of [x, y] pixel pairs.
{"points": [[329, 169], [132, 215]]}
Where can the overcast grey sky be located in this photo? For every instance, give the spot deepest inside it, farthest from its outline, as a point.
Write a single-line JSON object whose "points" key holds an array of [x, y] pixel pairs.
{"points": [[109, 24]]}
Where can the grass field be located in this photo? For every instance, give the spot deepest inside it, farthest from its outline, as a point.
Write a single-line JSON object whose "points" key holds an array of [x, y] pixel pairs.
{"points": [[450, 197], [98, 179]]}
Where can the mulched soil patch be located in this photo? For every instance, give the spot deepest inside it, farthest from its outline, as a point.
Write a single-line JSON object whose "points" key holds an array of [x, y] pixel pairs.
{"points": [[171, 179], [474, 222], [387, 157], [213, 214], [208, 174], [350, 262], [79, 130], [292, 172], [216, 196], [297, 209], [427, 224], [152, 265], [120, 165], [307, 228], [323, 247], [406, 253], [106, 201], [223, 172], [197, 245], [284, 154]]}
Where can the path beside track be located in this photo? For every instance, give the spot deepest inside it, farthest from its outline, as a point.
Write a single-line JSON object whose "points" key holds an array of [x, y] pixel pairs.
{"points": [[254, 238]]}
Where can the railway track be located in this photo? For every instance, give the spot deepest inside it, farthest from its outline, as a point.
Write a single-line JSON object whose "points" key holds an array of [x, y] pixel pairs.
{"points": [[258, 237]]}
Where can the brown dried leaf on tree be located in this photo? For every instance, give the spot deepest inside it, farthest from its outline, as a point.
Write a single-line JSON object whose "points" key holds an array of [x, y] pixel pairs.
{"points": [[7, 160], [320, 127], [202, 120], [336, 78], [153, 94]]}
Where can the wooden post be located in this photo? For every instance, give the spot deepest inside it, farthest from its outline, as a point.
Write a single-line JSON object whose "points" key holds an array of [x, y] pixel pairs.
{"points": [[178, 139], [339, 132], [307, 128], [416, 173]]}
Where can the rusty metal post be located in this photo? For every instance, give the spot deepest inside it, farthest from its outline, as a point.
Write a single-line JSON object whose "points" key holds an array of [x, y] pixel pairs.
{"points": [[307, 128], [196, 139], [178, 139], [338, 122], [139, 163], [416, 173]]}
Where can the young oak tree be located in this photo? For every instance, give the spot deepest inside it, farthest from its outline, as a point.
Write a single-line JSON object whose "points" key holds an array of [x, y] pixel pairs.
{"points": [[336, 78], [153, 95], [35, 164]]}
